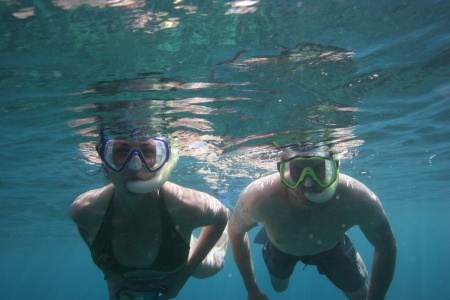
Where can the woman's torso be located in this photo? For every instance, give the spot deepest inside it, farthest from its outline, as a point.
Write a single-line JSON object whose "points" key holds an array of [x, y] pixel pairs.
{"points": [[148, 246]]}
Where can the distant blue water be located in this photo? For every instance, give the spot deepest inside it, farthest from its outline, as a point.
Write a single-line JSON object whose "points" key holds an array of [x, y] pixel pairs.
{"points": [[372, 77]]}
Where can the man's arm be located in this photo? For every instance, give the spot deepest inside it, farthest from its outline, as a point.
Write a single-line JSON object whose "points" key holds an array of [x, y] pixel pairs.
{"points": [[239, 224], [377, 229]]}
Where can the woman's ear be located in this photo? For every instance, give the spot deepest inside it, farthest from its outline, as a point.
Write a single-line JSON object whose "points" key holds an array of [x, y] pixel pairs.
{"points": [[105, 171]]}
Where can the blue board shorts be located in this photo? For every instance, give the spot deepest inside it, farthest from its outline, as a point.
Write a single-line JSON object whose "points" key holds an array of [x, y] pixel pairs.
{"points": [[338, 264]]}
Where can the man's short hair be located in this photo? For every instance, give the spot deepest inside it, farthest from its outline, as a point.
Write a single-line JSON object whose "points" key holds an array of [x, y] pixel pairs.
{"points": [[290, 150]]}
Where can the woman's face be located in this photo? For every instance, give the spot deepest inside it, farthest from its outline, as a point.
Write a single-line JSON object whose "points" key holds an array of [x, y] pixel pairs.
{"points": [[134, 168], [122, 148]]}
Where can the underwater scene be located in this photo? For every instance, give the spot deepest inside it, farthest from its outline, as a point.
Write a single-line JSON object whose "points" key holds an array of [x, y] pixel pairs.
{"points": [[230, 83]]}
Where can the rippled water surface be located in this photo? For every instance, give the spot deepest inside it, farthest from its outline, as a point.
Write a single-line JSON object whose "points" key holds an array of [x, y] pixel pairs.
{"points": [[231, 80]]}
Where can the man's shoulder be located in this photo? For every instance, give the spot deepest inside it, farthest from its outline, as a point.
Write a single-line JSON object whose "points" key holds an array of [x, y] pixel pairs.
{"points": [[350, 184], [265, 183], [263, 190], [343, 178], [355, 192]]}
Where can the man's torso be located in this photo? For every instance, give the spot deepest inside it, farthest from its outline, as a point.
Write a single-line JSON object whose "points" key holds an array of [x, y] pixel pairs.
{"points": [[309, 230]]}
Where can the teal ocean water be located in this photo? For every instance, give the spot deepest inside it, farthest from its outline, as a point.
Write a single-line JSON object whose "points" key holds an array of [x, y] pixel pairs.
{"points": [[230, 80]]}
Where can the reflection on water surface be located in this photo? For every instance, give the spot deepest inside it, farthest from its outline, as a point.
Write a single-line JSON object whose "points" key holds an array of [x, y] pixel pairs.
{"points": [[232, 80]]}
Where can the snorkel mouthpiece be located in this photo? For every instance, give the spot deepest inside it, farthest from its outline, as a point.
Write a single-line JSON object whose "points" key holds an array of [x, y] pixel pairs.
{"points": [[161, 176], [325, 196]]}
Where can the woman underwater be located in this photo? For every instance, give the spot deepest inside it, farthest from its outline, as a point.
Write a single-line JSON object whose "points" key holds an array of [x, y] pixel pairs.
{"points": [[139, 227]]}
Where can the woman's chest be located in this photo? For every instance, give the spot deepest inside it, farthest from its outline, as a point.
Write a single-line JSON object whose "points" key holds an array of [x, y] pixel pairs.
{"points": [[136, 245]]}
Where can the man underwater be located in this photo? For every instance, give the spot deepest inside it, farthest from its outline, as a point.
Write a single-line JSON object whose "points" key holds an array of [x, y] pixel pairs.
{"points": [[306, 209]]}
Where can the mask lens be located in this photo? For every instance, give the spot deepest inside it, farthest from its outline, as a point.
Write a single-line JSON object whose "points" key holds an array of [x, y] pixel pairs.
{"points": [[330, 172], [161, 154], [288, 177], [318, 168]]}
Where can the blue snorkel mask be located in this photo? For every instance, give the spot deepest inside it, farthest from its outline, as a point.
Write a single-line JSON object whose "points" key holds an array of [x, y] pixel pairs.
{"points": [[116, 154], [158, 155]]}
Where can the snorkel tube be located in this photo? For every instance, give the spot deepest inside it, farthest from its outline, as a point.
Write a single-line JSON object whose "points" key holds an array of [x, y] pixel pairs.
{"points": [[161, 176]]}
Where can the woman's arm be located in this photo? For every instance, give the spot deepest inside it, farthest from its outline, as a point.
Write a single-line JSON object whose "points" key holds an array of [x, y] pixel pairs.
{"points": [[193, 209]]}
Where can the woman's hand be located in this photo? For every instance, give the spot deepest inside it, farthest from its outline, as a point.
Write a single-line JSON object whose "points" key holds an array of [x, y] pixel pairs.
{"points": [[117, 283], [257, 296], [171, 283]]}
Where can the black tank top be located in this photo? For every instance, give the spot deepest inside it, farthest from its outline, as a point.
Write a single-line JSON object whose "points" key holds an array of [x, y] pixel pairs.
{"points": [[173, 251]]}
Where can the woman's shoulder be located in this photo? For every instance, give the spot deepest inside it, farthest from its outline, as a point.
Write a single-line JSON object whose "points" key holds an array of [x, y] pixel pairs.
{"points": [[190, 208], [182, 194], [93, 197], [90, 204], [180, 198]]}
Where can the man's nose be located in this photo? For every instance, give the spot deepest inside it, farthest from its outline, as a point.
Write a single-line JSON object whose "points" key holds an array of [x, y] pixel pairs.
{"points": [[308, 181]]}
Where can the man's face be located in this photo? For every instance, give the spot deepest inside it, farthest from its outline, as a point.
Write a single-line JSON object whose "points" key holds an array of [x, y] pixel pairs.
{"points": [[309, 170]]}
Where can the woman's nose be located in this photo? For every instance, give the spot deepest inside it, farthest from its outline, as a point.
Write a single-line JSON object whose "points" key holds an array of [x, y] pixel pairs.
{"points": [[135, 163]]}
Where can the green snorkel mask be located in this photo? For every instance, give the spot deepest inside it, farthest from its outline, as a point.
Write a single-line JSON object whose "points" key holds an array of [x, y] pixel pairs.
{"points": [[306, 167]]}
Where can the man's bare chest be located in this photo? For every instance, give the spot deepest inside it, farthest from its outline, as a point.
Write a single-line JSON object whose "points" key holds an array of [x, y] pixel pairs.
{"points": [[307, 233]]}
